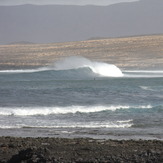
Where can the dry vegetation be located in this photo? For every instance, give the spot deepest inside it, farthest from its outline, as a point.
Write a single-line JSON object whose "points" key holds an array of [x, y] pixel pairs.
{"points": [[131, 52]]}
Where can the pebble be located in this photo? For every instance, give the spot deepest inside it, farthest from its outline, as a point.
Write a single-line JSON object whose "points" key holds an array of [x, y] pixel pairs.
{"points": [[51, 150]]}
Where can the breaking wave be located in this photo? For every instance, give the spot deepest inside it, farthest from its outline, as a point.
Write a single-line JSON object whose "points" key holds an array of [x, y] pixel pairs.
{"points": [[100, 68], [94, 124], [75, 63], [106, 124], [31, 111]]}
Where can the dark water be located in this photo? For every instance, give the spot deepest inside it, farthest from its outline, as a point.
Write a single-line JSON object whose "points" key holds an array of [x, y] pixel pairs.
{"points": [[80, 103]]}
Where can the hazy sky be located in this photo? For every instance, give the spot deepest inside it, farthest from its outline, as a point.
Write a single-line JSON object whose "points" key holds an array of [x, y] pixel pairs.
{"points": [[63, 2]]}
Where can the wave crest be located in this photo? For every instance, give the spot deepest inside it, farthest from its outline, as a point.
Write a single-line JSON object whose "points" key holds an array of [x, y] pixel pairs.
{"points": [[100, 68], [31, 111]]}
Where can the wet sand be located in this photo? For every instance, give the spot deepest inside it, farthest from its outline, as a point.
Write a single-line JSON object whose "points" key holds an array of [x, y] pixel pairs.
{"points": [[39, 150]]}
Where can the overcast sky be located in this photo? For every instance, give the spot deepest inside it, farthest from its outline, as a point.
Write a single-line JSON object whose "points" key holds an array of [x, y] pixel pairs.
{"points": [[62, 2]]}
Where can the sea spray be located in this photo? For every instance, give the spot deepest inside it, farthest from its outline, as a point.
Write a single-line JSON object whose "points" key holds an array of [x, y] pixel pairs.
{"points": [[103, 69]]}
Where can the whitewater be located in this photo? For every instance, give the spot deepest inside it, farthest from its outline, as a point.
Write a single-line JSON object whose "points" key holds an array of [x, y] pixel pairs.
{"points": [[77, 97]]}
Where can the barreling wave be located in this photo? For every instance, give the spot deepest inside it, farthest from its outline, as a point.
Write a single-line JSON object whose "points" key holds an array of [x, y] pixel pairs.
{"points": [[75, 63], [31, 111], [100, 68]]}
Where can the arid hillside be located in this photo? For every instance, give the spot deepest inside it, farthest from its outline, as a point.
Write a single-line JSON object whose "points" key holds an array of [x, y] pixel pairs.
{"points": [[131, 52]]}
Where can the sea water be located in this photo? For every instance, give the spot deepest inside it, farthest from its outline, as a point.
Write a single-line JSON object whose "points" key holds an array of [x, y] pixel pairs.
{"points": [[77, 97]]}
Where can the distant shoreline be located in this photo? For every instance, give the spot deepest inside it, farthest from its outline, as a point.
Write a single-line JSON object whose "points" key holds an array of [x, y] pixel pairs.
{"points": [[139, 52]]}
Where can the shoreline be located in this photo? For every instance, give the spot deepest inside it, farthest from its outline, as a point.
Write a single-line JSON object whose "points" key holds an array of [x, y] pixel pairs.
{"points": [[53, 145], [17, 149], [146, 52]]}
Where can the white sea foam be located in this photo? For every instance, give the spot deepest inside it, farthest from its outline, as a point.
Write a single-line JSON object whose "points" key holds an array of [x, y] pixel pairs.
{"points": [[88, 125], [92, 124], [147, 88], [150, 88], [143, 73], [125, 121], [25, 70], [9, 127], [31, 111]]}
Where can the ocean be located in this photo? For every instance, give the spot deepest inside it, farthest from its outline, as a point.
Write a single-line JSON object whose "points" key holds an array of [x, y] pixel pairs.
{"points": [[77, 97]]}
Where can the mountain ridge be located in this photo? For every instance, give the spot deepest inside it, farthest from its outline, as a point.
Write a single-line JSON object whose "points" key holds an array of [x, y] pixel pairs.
{"points": [[60, 23]]}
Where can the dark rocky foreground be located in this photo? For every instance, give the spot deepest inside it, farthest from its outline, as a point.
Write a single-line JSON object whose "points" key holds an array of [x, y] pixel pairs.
{"points": [[30, 150]]}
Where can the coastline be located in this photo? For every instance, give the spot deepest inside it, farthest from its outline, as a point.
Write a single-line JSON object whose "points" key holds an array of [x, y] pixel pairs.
{"points": [[14, 149], [139, 52], [146, 53]]}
